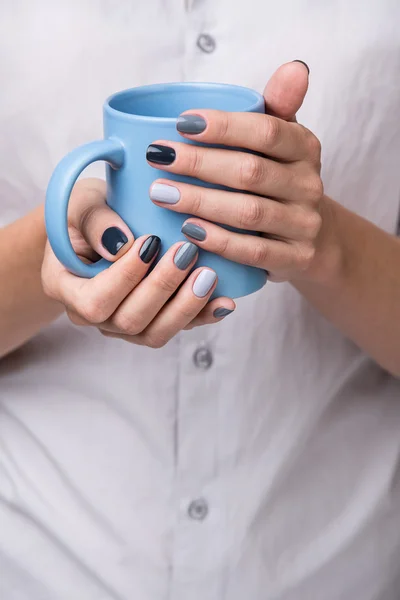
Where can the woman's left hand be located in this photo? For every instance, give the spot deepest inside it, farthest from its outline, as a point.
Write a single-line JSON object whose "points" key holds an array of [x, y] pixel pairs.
{"points": [[281, 195]]}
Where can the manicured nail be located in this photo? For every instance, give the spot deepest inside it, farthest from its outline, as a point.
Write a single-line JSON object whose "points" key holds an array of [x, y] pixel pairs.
{"points": [[185, 255], [160, 155], [191, 124], [149, 248], [204, 282], [303, 63], [160, 192], [194, 231], [113, 239], [222, 312]]}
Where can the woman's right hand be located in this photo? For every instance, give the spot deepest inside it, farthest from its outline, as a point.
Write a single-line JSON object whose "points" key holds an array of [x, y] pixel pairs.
{"points": [[120, 301]]}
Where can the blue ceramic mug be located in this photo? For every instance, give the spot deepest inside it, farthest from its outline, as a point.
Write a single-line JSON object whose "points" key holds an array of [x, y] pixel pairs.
{"points": [[133, 119]]}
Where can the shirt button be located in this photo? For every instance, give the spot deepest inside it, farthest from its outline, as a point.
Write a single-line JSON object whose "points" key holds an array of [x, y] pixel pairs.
{"points": [[206, 43], [198, 509], [203, 358]]}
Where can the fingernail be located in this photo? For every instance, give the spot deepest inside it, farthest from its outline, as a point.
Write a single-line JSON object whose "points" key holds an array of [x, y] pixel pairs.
{"points": [[160, 155], [149, 248], [191, 124], [185, 255], [194, 231], [204, 282], [113, 239], [160, 192], [303, 63], [222, 312]]}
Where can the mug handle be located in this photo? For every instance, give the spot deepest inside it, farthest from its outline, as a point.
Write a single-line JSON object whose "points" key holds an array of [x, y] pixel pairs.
{"points": [[57, 197]]}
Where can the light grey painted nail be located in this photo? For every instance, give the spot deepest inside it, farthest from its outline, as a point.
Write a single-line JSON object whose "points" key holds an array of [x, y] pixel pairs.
{"points": [[185, 255], [161, 192], [204, 282], [191, 124], [194, 231], [222, 312]]}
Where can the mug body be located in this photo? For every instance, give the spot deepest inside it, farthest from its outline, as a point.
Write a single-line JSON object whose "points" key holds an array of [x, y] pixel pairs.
{"points": [[143, 115]]}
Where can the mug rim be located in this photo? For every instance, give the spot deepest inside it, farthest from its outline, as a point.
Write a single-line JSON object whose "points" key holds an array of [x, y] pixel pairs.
{"points": [[258, 99]]}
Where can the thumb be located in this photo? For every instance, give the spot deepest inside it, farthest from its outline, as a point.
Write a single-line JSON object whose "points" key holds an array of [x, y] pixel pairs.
{"points": [[95, 223], [285, 91]]}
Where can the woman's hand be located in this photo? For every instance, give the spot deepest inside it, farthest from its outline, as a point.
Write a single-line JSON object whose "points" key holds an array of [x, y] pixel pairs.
{"points": [[281, 194], [121, 301]]}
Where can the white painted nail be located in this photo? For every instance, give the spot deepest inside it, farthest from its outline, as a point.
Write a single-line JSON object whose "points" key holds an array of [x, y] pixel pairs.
{"points": [[204, 282], [161, 192]]}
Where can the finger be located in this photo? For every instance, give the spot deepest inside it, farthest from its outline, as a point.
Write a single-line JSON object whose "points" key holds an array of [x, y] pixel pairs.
{"points": [[254, 131], [235, 209], [96, 299], [182, 309], [257, 251], [101, 227], [145, 302], [213, 312], [239, 170], [285, 91]]}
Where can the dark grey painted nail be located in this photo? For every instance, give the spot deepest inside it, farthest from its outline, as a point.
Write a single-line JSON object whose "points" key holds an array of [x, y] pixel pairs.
{"points": [[160, 155], [303, 63], [113, 239], [222, 312], [185, 255], [194, 231], [191, 124], [149, 248]]}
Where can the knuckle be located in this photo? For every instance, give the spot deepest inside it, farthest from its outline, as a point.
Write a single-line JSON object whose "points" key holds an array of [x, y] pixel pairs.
{"points": [[197, 200], [272, 131], [92, 309], [258, 253], [86, 217], [129, 324], [314, 189], [251, 212], [222, 245], [194, 161], [188, 312], [132, 277], [305, 256], [155, 340], [251, 171], [313, 145], [312, 223], [166, 284], [223, 126]]}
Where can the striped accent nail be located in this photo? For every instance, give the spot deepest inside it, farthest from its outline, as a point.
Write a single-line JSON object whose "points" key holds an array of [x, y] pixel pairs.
{"points": [[149, 248], [185, 255]]}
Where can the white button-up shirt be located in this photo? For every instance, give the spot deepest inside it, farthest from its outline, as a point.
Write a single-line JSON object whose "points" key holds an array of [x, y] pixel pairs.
{"points": [[257, 458]]}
